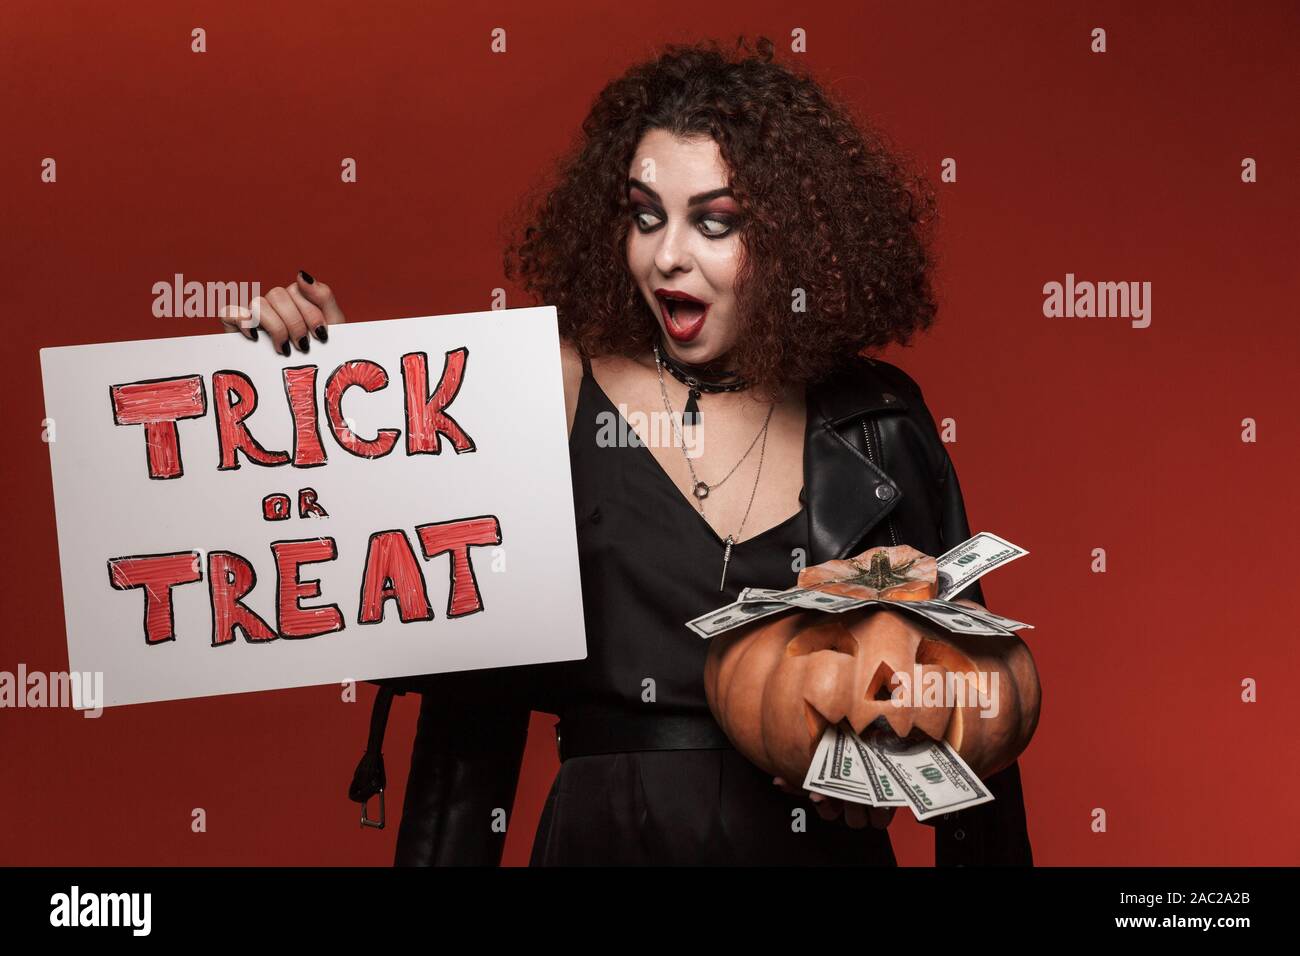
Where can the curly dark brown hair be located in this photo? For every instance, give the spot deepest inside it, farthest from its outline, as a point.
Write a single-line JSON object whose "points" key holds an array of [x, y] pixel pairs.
{"points": [[826, 207]]}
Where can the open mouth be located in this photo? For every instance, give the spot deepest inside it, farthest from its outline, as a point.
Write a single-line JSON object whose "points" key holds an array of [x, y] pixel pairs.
{"points": [[683, 314]]}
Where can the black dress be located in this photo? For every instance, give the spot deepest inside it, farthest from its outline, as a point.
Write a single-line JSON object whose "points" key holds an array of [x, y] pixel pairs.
{"points": [[649, 563]]}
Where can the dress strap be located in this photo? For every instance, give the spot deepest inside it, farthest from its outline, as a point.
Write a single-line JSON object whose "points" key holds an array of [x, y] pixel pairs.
{"points": [[586, 365]]}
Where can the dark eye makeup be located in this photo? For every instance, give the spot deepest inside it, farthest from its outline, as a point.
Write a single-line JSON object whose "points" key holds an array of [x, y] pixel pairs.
{"points": [[712, 225]]}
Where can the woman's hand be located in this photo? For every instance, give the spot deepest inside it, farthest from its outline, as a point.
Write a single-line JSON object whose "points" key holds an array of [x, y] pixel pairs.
{"points": [[856, 815], [288, 315]]}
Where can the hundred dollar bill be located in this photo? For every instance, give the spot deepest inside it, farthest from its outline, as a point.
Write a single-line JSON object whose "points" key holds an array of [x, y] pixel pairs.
{"points": [[846, 771], [817, 768], [957, 570], [836, 769], [929, 773], [1004, 622], [842, 767], [813, 600], [884, 793], [971, 560], [734, 615], [953, 617], [807, 598]]}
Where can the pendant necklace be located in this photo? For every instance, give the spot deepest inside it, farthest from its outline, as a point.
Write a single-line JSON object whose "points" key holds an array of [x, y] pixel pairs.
{"points": [[699, 489]]}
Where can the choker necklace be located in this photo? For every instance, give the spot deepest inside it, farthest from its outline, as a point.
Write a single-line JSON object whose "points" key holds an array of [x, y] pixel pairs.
{"points": [[690, 377]]}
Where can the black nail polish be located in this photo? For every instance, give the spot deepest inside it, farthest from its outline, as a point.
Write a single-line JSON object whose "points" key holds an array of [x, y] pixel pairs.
{"points": [[304, 344], [306, 277], [252, 335], [322, 333], [284, 349]]}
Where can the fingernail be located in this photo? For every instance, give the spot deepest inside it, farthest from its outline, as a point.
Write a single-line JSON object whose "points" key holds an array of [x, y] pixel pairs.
{"points": [[304, 344], [306, 277], [322, 333], [252, 334], [284, 349]]}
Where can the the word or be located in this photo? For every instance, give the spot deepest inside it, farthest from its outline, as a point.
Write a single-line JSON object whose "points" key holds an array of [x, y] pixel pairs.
{"points": [[278, 506]]}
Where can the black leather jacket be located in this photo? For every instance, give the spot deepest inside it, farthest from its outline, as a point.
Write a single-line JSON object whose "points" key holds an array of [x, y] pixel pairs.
{"points": [[875, 473]]}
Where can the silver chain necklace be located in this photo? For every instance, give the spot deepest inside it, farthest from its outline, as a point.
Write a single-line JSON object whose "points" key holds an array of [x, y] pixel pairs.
{"points": [[699, 489]]}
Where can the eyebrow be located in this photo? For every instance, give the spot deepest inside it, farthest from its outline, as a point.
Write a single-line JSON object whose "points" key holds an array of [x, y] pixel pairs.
{"points": [[693, 201]]}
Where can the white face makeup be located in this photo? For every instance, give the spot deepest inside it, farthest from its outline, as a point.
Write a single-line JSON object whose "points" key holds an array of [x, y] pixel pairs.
{"points": [[684, 249]]}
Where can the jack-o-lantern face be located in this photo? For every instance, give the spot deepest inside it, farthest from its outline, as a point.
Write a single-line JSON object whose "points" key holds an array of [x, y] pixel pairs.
{"points": [[774, 686]]}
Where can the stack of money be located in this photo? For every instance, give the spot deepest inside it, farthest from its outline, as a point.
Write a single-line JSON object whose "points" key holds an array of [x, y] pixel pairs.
{"points": [[957, 570], [880, 769]]}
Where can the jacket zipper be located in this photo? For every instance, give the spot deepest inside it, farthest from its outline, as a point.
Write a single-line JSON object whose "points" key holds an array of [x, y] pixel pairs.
{"points": [[871, 456]]}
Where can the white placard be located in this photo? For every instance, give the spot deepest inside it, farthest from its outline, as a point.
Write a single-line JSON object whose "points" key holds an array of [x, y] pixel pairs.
{"points": [[402, 518]]}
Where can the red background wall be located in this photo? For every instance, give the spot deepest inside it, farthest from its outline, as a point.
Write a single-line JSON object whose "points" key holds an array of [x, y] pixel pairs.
{"points": [[1074, 434]]}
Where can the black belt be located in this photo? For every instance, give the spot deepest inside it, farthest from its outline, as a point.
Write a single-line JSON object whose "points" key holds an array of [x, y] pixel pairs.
{"points": [[613, 732]]}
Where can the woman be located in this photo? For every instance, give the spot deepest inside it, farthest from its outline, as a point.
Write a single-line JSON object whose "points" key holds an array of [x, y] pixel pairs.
{"points": [[721, 247]]}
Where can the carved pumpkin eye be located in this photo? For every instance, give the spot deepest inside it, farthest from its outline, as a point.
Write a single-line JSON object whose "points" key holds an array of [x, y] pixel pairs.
{"points": [[823, 637], [937, 652]]}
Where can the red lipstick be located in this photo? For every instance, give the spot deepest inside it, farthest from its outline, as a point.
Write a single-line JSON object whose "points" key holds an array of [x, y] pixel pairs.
{"points": [[683, 314]]}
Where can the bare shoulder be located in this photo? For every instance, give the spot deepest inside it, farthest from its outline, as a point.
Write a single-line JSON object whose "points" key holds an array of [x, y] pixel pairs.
{"points": [[616, 370], [571, 365], [570, 360]]}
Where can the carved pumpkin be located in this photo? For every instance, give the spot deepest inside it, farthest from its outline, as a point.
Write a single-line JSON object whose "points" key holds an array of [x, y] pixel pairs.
{"points": [[775, 685]]}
